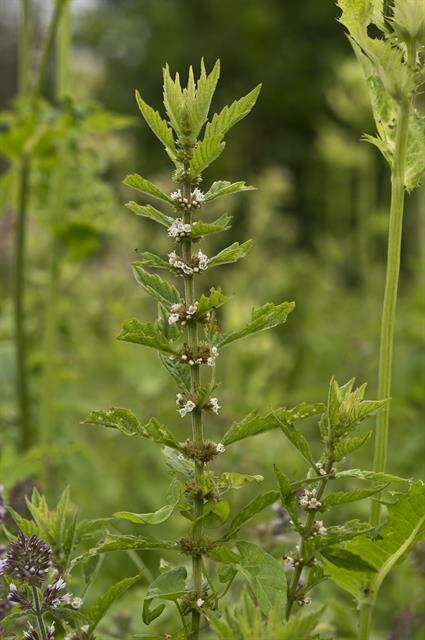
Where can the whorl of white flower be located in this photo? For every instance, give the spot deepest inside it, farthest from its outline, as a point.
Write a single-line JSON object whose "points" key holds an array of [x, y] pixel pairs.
{"points": [[188, 407], [319, 528], [220, 448], [303, 602], [76, 602], [179, 229], [202, 261], [308, 500], [197, 197], [178, 263], [212, 357], [200, 602], [214, 405], [321, 470]]}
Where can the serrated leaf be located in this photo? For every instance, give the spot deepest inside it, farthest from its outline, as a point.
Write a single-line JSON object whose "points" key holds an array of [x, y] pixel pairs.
{"points": [[263, 318], [297, 439], [360, 474], [405, 527], [146, 334], [250, 510], [254, 424], [343, 497], [148, 211], [348, 445], [231, 254], [160, 289], [225, 188], [231, 115], [264, 574], [346, 559], [148, 259], [170, 585], [285, 486], [159, 127], [173, 99], [116, 418], [116, 542], [214, 300], [156, 517], [200, 228], [229, 480], [204, 154], [177, 371], [199, 106], [101, 605], [137, 181]]}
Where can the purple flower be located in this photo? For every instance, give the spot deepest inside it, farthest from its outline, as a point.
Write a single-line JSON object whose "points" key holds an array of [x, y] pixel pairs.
{"points": [[28, 559]]}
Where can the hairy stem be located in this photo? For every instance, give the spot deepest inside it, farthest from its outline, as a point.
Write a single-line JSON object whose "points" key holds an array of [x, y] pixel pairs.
{"points": [[25, 40], [196, 415], [39, 614], [391, 285], [365, 623]]}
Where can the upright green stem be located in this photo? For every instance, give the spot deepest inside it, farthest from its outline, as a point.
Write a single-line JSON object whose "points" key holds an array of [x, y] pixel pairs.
{"points": [[391, 284], [19, 307], [24, 174], [365, 623], [39, 615], [25, 40], [63, 47], [197, 426]]}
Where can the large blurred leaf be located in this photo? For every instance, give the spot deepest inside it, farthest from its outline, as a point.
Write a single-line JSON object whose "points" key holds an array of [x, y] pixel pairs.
{"points": [[101, 605], [263, 318], [264, 574]]}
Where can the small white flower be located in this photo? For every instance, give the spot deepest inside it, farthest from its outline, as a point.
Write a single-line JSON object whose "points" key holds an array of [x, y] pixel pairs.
{"points": [[200, 602], [214, 405], [76, 603], [176, 195], [197, 195], [187, 408], [220, 448], [85, 628], [202, 260], [181, 456], [173, 318]]}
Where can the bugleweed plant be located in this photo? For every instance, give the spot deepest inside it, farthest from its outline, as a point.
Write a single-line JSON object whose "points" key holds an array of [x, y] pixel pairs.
{"points": [[189, 340]]}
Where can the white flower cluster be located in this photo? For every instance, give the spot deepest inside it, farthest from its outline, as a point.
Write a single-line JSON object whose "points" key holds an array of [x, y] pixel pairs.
{"points": [[195, 201], [308, 500], [214, 405], [200, 602], [179, 313], [319, 528], [208, 357], [293, 561], [179, 229], [32, 634], [199, 263], [185, 406], [220, 448], [304, 601]]}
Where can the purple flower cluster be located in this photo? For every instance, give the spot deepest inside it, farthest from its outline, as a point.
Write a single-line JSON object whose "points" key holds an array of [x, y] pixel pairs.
{"points": [[28, 559]]}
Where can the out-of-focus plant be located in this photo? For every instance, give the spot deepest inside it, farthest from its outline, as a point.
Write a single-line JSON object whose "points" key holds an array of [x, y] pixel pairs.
{"points": [[37, 565], [393, 65], [188, 337]]}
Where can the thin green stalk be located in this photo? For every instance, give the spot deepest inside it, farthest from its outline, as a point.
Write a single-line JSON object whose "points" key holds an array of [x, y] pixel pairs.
{"points": [[63, 48], [365, 624], [19, 306], [24, 174], [25, 42], [391, 286], [39, 615], [197, 426]]}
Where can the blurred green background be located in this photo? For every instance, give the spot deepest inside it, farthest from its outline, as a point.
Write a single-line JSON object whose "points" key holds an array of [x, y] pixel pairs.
{"points": [[318, 219]]}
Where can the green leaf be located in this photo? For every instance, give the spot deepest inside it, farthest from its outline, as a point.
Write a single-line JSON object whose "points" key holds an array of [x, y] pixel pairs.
{"points": [[148, 259], [101, 605], [263, 318], [264, 574], [136, 181], [116, 418], [405, 527], [148, 211], [214, 300], [204, 154], [348, 445], [379, 476], [253, 424], [177, 371], [159, 127], [346, 559], [301, 625], [156, 517], [173, 99], [215, 513], [199, 106], [200, 228], [296, 438], [285, 486], [116, 542], [170, 585], [160, 289], [250, 510], [146, 334], [224, 188], [231, 115], [343, 497], [229, 480], [231, 254]]}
